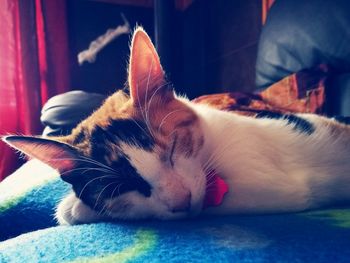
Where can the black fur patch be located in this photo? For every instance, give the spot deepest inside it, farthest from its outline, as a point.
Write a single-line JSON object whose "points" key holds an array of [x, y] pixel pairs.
{"points": [[299, 124], [244, 101], [80, 137], [98, 180], [133, 132], [343, 119], [93, 186], [119, 131], [127, 131]]}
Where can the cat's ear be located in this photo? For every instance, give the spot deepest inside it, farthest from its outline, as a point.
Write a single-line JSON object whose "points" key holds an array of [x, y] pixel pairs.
{"points": [[146, 75], [58, 155]]}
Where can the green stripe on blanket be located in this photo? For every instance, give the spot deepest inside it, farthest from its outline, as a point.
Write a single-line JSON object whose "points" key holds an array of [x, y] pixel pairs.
{"points": [[145, 240]]}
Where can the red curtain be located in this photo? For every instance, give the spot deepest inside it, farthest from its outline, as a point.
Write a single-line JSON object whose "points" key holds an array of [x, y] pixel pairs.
{"points": [[266, 5], [33, 66]]}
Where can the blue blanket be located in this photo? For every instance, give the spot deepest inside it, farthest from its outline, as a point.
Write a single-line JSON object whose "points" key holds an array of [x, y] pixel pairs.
{"points": [[27, 205]]}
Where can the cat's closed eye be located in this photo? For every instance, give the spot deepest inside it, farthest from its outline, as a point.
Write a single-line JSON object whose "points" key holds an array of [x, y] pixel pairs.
{"points": [[172, 150]]}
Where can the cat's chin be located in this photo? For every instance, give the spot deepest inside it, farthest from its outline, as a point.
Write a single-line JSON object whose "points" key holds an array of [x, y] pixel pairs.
{"points": [[194, 211], [72, 211]]}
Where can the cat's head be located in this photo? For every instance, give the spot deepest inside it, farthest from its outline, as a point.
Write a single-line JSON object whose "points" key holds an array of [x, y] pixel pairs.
{"points": [[138, 155]]}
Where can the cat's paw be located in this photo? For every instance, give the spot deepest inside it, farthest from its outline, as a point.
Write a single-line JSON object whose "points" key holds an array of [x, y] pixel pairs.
{"points": [[72, 211]]}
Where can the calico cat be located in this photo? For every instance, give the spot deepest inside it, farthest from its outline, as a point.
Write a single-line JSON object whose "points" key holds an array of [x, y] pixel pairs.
{"points": [[153, 154]]}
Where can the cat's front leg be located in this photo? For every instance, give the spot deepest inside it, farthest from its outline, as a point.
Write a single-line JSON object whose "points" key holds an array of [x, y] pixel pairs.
{"points": [[72, 211]]}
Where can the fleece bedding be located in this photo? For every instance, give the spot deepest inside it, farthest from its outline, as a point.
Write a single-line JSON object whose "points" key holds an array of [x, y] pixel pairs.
{"points": [[318, 236]]}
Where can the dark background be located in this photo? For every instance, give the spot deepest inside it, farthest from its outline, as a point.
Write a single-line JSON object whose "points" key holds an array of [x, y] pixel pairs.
{"points": [[208, 47]]}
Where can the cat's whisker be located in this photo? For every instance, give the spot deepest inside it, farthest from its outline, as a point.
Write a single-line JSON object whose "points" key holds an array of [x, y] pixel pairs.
{"points": [[82, 168], [211, 165], [143, 114], [92, 180], [99, 163], [104, 210], [139, 125], [146, 94], [211, 157], [210, 176], [211, 181], [148, 106], [147, 84], [207, 166], [88, 169], [119, 188], [155, 93], [88, 160], [99, 195], [171, 134], [166, 116], [116, 188], [109, 213]]}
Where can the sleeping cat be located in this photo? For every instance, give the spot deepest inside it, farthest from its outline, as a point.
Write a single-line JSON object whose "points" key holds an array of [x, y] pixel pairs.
{"points": [[152, 154]]}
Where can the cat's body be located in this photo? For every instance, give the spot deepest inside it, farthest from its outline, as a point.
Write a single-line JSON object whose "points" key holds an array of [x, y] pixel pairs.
{"points": [[271, 166], [151, 155]]}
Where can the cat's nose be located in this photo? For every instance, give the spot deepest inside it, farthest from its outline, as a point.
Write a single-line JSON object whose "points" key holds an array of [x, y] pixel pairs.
{"points": [[182, 203]]}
